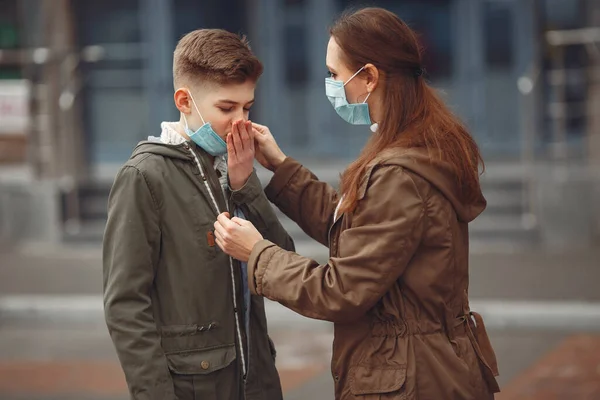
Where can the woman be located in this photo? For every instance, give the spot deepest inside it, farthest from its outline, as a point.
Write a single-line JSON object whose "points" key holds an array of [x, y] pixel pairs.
{"points": [[396, 283]]}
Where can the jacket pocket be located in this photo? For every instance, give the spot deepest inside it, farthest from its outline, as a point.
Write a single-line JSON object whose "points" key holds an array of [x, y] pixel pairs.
{"points": [[168, 331], [187, 338], [201, 362], [207, 374], [385, 382]]}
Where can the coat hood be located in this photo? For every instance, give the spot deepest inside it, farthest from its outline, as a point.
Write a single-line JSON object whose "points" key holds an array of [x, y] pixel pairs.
{"points": [[438, 174]]}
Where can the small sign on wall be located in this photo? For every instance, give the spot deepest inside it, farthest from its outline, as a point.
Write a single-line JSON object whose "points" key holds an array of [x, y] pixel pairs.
{"points": [[15, 115]]}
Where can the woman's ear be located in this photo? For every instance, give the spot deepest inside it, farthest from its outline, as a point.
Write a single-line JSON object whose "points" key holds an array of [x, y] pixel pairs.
{"points": [[372, 77], [183, 101]]}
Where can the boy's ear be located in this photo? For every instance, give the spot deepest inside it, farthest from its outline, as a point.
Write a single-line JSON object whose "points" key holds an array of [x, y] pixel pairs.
{"points": [[183, 102]]}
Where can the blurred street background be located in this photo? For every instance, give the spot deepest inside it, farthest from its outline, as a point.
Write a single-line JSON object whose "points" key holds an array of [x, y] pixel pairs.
{"points": [[81, 82]]}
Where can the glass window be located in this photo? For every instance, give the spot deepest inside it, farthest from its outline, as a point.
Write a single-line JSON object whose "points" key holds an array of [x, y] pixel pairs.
{"points": [[289, 3], [295, 54], [193, 14], [114, 104], [114, 24], [498, 34], [9, 36], [8, 22], [432, 21], [107, 21], [561, 14], [295, 43]]}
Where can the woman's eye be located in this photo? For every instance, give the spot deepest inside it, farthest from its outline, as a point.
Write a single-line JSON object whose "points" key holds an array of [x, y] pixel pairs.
{"points": [[247, 109], [226, 110], [331, 74]]}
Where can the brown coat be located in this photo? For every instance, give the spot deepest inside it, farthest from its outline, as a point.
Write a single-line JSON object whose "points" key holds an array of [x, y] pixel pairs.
{"points": [[396, 282]]}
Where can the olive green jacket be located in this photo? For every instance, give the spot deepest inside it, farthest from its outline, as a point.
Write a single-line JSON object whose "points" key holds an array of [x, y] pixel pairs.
{"points": [[172, 299]]}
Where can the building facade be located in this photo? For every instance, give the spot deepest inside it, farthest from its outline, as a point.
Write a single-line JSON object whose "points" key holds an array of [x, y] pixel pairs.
{"points": [[100, 74]]}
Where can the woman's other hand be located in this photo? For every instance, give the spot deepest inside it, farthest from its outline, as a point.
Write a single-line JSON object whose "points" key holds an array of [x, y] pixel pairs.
{"points": [[236, 237], [267, 152]]}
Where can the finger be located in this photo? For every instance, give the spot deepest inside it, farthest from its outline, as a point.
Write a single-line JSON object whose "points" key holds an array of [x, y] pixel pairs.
{"points": [[244, 134], [242, 222], [223, 218], [219, 235], [259, 137], [221, 245], [245, 137], [230, 147], [226, 222], [234, 132], [239, 221], [220, 230], [250, 132], [237, 140], [259, 127]]}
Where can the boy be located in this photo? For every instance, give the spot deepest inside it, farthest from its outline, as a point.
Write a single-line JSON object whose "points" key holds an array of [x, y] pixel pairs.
{"points": [[177, 308]]}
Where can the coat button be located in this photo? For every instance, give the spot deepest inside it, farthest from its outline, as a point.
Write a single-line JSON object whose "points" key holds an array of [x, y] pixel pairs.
{"points": [[204, 364], [337, 378]]}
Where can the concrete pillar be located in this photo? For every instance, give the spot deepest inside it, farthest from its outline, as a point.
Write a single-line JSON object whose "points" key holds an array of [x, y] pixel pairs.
{"points": [[593, 113]]}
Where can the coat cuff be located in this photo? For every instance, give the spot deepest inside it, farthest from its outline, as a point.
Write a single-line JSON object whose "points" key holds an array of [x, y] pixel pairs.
{"points": [[257, 271], [281, 178], [250, 191]]}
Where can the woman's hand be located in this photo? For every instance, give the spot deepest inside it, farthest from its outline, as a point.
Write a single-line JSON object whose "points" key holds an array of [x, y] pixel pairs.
{"points": [[236, 237], [268, 153], [240, 151]]}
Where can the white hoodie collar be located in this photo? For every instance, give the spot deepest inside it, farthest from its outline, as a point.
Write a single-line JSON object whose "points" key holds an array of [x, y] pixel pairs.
{"points": [[169, 134]]}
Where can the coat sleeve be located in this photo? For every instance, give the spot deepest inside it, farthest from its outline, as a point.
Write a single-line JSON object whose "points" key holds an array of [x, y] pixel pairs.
{"points": [[386, 230], [252, 200], [130, 255], [300, 195]]}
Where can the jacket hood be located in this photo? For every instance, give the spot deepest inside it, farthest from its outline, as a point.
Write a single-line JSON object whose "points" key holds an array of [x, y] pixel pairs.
{"points": [[438, 174], [169, 144], [177, 151]]}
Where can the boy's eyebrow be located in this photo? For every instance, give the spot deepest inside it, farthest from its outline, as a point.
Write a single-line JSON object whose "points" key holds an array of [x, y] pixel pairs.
{"points": [[234, 102]]}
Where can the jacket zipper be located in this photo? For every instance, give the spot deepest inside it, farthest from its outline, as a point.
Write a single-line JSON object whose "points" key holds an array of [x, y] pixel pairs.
{"points": [[235, 306]]}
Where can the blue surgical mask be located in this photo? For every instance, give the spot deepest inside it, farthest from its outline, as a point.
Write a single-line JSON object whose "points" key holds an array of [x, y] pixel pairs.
{"points": [[355, 114], [205, 136]]}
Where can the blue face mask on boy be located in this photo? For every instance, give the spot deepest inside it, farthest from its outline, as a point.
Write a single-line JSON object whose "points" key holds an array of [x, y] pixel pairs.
{"points": [[205, 136], [355, 114]]}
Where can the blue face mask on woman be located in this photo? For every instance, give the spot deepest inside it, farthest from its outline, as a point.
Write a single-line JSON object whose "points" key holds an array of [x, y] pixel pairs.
{"points": [[355, 114], [205, 136]]}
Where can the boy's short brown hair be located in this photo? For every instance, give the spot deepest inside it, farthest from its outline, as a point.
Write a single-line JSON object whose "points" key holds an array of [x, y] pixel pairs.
{"points": [[214, 55]]}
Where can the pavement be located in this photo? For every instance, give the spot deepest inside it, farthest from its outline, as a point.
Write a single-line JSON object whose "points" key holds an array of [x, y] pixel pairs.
{"points": [[542, 311], [571, 370]]}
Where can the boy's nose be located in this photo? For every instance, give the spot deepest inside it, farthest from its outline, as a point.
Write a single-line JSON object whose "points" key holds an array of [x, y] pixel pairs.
{"points": [[241, 115]]}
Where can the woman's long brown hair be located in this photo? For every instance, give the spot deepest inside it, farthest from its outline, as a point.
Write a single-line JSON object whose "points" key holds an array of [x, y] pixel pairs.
{"points": [[414, 114]]}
